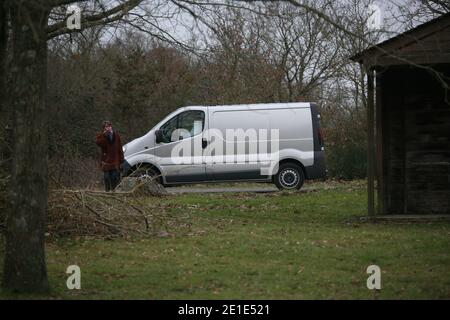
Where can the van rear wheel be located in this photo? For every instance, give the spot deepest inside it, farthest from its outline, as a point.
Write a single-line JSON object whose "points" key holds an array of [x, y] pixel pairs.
{"points": [[290, 176]]}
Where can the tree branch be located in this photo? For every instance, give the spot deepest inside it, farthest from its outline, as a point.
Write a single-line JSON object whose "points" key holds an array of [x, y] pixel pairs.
{"points": [[114, 14]]}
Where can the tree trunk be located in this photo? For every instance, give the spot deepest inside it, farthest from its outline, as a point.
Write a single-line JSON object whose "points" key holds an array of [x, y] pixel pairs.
{"points": [[3, 51], [25, 268], [5, 116]]}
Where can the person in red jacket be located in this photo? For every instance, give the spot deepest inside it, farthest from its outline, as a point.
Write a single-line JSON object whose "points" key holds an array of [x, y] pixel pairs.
{"points": [[112, 155]]}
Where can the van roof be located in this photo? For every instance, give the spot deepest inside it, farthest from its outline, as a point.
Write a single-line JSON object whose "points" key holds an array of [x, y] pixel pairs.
{"points": [[258, 106]]}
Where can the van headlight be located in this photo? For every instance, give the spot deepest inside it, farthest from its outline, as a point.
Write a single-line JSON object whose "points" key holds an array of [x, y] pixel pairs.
{"points": [[124, 148]]}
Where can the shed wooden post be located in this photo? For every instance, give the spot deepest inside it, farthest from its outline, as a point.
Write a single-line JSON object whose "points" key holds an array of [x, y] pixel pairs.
{"points": [[379, 155], [370, 143]]}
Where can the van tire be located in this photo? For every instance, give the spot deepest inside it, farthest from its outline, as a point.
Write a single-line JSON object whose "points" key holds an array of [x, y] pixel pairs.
{"points": [[144, 171], [290, 176]]}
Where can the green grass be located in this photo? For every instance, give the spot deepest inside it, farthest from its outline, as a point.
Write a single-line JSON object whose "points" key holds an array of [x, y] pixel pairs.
{"points": [[261, 246]]}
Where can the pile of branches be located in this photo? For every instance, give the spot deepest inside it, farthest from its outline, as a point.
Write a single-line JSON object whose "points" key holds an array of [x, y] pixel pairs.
{"points": [[89, 213]]}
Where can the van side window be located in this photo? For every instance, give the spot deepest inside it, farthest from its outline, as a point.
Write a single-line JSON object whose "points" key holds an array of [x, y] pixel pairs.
{"points": [[168, 128], [185, 125]]}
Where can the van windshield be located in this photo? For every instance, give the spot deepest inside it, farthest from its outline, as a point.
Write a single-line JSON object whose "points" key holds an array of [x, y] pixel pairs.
{"points": [[184, 125]]}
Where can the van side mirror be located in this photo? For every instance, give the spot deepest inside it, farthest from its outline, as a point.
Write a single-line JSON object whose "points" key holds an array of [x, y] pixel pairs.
{"points": [[159, 136]]}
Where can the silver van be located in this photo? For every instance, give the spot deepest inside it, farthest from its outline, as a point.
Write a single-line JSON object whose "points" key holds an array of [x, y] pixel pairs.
{"points": [[277, 142]]}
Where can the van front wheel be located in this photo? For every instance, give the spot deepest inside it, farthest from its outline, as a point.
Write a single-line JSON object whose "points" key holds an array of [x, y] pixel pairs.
{"points": [[145, 171], [290, 176]]}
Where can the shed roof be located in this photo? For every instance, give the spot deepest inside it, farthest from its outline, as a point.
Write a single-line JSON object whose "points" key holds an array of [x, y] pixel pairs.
{"points": [[428, 43]]}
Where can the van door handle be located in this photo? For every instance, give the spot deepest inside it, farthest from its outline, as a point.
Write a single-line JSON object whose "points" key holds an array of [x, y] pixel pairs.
{"points": [[204, 143]]}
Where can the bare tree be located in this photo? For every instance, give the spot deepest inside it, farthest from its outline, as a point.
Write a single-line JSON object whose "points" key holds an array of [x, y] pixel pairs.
{"points": [[27, 23], [304, 46], [413, 12], [236, 66]]}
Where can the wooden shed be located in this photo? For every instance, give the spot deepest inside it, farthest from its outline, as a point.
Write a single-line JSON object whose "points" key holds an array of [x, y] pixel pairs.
{"points": [[408, 117]]}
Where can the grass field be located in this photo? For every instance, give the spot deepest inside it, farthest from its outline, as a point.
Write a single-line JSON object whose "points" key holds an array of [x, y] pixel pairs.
{"points": [[261, 246]]}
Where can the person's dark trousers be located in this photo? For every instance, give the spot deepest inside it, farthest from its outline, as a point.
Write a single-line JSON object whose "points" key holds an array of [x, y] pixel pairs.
{"points": [[112, 179]]}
